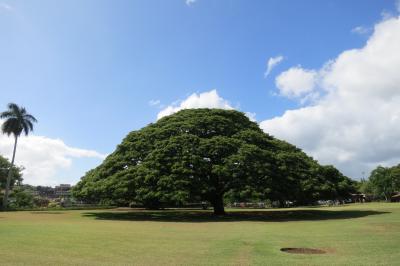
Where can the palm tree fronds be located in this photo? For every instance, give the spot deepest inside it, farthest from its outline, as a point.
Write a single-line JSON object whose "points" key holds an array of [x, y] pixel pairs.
{"points": [[14, 108], [12, 126], [17, 120], [30, 117], [27, 126], [6, 114]]}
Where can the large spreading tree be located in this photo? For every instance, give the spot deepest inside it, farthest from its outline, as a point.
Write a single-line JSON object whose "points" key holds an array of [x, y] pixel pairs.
{"points": [[203, 155]]}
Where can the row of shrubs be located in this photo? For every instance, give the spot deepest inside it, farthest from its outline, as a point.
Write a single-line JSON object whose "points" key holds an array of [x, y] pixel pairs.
{"points": [[21, 199]]}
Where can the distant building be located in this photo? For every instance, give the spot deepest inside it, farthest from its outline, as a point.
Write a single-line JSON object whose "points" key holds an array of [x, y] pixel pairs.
{"points": [[46, 192], [358, 197], [396, 197], [62, 191], [34, 192]]}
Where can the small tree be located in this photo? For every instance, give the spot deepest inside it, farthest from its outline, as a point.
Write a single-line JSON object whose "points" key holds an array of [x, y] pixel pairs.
{"points": [[5, 166], [384, 181], [22, 198]]}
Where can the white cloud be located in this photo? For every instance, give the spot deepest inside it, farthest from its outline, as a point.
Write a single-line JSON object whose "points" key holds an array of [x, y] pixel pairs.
{"points": [[5, 6], [190, 2], [356, 124], [296, 82], [272, 62], [251, 116], [209, 99], [154, 102], [361, 30], [44, 159]]}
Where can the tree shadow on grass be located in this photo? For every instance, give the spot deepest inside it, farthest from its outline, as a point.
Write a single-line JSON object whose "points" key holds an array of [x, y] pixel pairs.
{"points": [[235, 216]]}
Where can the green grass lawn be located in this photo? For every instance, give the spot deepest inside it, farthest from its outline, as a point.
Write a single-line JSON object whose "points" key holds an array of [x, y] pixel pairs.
{"points": [[362, 234]]}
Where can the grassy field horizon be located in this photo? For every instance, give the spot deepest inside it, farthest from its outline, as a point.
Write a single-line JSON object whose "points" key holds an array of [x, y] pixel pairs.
{"points": [[356, 234]]}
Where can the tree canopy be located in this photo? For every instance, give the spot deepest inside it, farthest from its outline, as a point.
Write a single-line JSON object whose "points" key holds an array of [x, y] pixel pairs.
{"points": [[4, 168], [205, 155], [382, 182]]}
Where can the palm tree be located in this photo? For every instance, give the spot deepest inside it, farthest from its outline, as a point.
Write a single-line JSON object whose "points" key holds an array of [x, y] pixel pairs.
{"points": [[17, 120]]}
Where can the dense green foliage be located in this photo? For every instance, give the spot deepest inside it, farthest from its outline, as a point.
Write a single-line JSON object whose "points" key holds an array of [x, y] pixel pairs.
{"points": [[203, 155], [21, 199], [16, 177], [382, 182]]}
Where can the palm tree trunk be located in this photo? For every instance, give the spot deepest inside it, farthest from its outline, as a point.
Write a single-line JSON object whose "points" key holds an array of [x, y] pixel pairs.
{"points": [[10, 173]]}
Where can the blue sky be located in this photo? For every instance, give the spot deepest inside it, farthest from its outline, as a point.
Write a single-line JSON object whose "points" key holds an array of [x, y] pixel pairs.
{"points": [[88, 69]]}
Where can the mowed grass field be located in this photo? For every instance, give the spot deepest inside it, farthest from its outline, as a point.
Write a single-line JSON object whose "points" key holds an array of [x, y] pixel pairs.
{"points": [[359, 234]]}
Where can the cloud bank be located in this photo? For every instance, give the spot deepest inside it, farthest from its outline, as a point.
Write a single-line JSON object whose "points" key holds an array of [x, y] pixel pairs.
{"points": [[355, 125], [44, 159]]}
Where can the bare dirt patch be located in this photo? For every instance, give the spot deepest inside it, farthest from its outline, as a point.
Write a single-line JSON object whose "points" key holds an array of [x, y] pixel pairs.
{"points": [[303, 250]]}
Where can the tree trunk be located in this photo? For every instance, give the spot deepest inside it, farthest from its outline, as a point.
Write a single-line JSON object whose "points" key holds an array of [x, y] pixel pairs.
{"points": [[9, 177], [218, 204], [386, 198]]}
